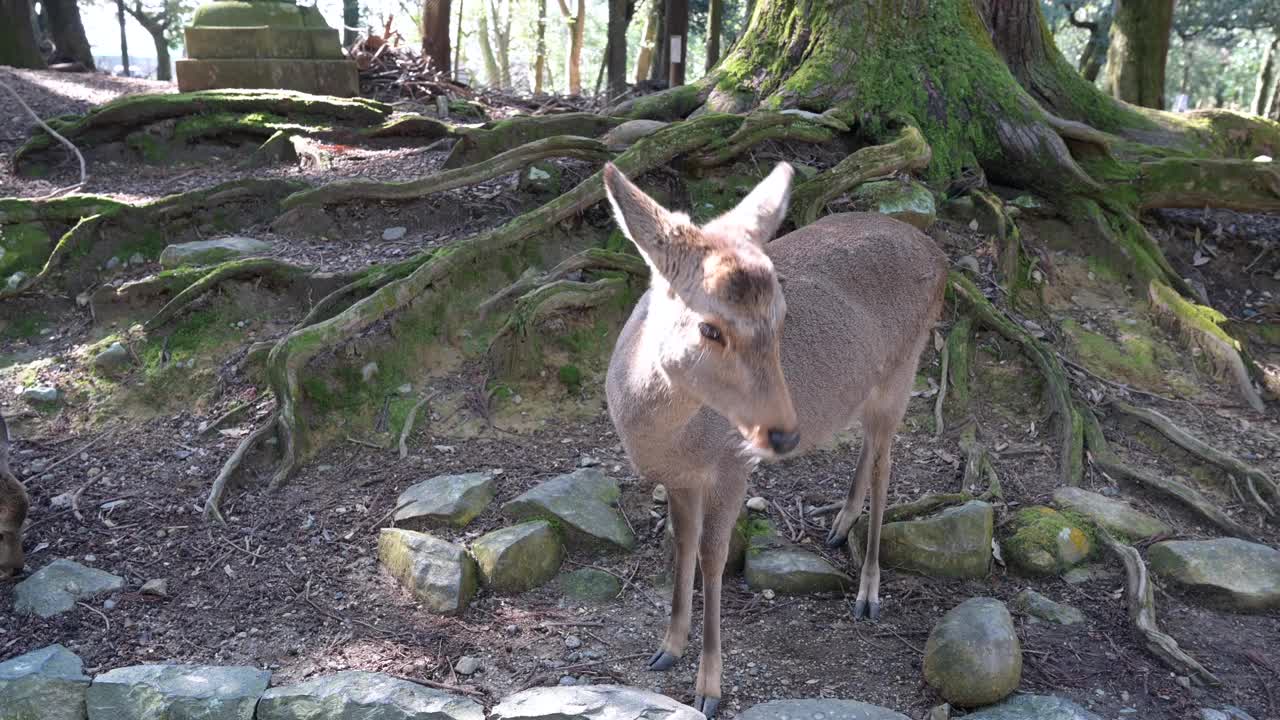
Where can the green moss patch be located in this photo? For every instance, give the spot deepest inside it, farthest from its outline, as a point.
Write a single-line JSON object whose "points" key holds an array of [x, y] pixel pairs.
{"points": [[1044, 541], [24, 247]]}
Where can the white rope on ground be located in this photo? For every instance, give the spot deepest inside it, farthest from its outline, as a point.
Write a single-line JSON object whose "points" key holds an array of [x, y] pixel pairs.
{"points": [[44, 126]]}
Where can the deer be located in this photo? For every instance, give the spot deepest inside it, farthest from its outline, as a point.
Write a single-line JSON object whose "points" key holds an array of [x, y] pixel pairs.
{"points": [[13, 511], [745, 350]]}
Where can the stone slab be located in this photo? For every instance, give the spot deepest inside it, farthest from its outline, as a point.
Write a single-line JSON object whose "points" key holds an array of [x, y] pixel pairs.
{"points": [[48, 684], [176, 692], [318, 77]]}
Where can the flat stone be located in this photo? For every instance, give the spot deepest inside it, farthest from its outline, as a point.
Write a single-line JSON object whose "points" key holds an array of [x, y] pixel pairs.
{"points": [[439, 573], [909, 201], [1114, 516], [1226, 572], [590, 585], [973, 656], [773, 564], [1038, 606], [48, 684], [954, 543], [161, 692], [467, 665], [518, 558], [1228, 712], [115, 357], [40, 394], [1034, 707], [581, 505], [209, 252], [631, 131], [820, 709], [158, 587], [360, 695], [394, 233], [591, 702], [1044, 541], [317, 77], [56, 587], [453, 500]]}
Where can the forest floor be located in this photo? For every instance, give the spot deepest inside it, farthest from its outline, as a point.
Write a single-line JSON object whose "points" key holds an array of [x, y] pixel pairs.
{"points": [[291, 582]]}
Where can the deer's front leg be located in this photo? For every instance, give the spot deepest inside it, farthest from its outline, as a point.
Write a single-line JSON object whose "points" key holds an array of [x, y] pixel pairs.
{"points": [[686, 520], [722, 507]]}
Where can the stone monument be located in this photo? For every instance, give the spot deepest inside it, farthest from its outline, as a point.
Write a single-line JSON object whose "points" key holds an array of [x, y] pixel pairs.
{"points": [[264, 44]]}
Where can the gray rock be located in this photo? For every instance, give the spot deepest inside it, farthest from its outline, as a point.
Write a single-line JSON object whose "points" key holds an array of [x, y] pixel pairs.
{"points": [[208, 252], [1034, 707], [394, 233], [540, 178], [445, 500], [161, 692], [773, 564], [113, 263], [467, 665], [581, 504], [757, 504], [1114, 516], [115, 357], [48, 684], [359, 695], [954, 543], [572, 642], [590, 585], [40, 394], [973, 656], [519, 558], [1228, 712], [824, 709], [137, 259], [56, 587], [1038, 606], [439, 573], [1046, 542], [591, 702], [1228, 573], [158, 587], [626, 134], [909, 202]]}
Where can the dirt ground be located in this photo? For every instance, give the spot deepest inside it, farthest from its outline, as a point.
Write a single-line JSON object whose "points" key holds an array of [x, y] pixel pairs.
{"points": [[291, 582]]}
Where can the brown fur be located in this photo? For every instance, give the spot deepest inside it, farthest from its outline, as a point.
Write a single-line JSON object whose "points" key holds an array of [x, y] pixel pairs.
{"points": [[13, 511], [862, 294]]}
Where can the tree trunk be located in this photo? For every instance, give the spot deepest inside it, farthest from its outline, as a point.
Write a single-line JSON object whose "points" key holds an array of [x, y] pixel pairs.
{"points": [[677, 40], [644, 60], [70, 43], [457, 45], [617, 49], [164, 66], [1139, 50], [17, 36], [1094, 55], [435, 34], [492, 74], [124, 38], [577, 34], [715, 21], [540, 51], [502, 33], [1266, 79], [662, 49], [350, 21]]}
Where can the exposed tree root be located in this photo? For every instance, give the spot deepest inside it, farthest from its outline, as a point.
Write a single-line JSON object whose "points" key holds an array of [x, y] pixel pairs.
{"points": [[408, 424], [1101, 455], [219, 488], [1200, 326], [1202, 450], [65, 209], [978, 468], [1057, 385], [1240, 185], [507, 162], [909, 152], [478, 144], [231, 270], [589, 259], [994, 219], [1142, 613], [517, 344], [959, 360], [765, 125]]}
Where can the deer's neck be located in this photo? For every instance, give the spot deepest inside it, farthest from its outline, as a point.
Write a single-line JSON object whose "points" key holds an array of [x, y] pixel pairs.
{"points": [[648, 401]]}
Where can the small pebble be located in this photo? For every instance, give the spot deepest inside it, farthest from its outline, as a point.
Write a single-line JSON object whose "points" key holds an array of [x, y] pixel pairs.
{"points": [[573, 641], [158, 587], [768, 594], [108, 604], [757, 504], [568, 680], [467, 665], [660, 493], [394, 233]]}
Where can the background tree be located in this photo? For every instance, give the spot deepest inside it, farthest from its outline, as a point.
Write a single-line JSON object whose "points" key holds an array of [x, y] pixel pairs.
{"points": [[540, 50], [493, 73], [715, 24], [648, 37], [350, 21], [1139, 50], [435, 34], [124, 37], [1098, 25], [163, 22], [17, 36], [577, 24], [616, 47], [67, 30]]}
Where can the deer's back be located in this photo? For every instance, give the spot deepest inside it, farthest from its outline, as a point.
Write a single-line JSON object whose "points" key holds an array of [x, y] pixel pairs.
{"points": [[861, 289]]}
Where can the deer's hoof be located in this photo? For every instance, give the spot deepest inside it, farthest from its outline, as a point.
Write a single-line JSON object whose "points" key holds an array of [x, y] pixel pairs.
{"points": [[706, 705], [661, 660], [835, 538], [868, 610]]}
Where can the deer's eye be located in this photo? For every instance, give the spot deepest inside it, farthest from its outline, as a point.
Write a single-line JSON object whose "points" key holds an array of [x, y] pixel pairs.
{"points": [[710, 332]]}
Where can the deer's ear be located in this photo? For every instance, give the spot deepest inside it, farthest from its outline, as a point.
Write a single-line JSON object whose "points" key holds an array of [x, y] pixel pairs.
{"points": [[756, 219], [658, 233]]}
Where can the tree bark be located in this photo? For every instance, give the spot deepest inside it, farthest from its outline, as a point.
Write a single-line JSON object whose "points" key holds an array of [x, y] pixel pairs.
{"points": [[1266, 79], [677, 40], [17, 36], [617, 48], [350, 20], [1139, 50], [435, 34], [577, 33], [662, 49], [715, 23], [69, 40], [124, 38], [540, 50], [644, 59]]}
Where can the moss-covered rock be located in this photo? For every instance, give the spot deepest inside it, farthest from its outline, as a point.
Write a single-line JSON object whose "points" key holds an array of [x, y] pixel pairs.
{"points": [[1225, 572], [541, 178], [453, 500], [208, 252], [1115, 516], [774, 564], [518, 558], [954, 543], [440, 574], [973, 656], [907, 201], [581, 505], [1043, 541], [24, 247], [589, 584]]}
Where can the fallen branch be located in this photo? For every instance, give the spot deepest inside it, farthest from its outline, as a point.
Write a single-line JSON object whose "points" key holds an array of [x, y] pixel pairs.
{"points": [[1142, 613]]}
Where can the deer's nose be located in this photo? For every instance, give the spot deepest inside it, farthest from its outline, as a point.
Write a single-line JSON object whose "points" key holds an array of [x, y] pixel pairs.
{"points": [[783, 442]]}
